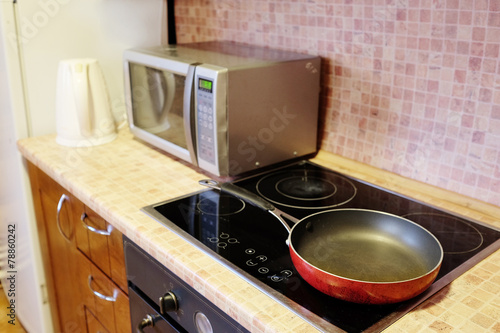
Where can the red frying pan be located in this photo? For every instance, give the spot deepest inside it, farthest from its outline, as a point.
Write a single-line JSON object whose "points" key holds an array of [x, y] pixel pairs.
{"points": [[357, 255]]}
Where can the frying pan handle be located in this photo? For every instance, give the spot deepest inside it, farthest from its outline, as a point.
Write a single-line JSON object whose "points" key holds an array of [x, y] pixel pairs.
{"points": [[248, 197], [239, 192]]}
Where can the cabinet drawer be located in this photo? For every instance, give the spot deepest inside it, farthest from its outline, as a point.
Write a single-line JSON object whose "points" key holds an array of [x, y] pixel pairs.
{"points": [[102, 244], [93, 325], [102, 298]]}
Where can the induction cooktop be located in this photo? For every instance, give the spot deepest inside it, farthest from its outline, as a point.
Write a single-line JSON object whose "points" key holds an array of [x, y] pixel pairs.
{"points": [[252, 242]]}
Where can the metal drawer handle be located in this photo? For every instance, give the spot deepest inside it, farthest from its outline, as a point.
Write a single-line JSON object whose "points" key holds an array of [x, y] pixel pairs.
{"points": [[101, 296], [149, 320], [106, 232], [63, 198]]}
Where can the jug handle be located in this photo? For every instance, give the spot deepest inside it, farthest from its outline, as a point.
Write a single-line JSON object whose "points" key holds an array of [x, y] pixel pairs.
{"points": [[81, 92]]}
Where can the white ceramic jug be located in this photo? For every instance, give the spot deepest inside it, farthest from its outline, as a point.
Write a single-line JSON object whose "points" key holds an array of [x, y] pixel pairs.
{"points": [[83, 110]]}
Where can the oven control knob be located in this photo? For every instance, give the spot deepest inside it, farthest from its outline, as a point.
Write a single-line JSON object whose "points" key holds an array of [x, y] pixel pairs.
{"points": [[149, 320], [168, 302]]}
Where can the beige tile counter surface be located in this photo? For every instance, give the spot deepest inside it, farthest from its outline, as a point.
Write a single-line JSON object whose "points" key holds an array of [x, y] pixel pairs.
{"points": [[118, 178]]}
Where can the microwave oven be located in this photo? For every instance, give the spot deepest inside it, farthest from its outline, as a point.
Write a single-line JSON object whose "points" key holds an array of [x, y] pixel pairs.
{"points": [[227, 108]]}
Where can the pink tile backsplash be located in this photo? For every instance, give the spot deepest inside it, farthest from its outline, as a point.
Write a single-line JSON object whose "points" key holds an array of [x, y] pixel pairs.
{"points": [[410, 86]]}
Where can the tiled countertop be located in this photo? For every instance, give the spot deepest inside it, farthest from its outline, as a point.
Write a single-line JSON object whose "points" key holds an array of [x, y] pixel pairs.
{"points": [[118, 178]]}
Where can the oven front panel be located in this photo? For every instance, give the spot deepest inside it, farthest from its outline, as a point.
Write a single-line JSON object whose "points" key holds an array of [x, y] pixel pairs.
{"points": [[152, 281]]}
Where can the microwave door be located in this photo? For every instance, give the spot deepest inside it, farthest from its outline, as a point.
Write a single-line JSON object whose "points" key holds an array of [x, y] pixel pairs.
{"points": [[155, 103]]}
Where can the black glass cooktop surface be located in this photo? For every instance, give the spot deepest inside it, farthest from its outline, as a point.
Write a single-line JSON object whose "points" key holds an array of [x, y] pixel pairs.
{"points": [[254, 242]]}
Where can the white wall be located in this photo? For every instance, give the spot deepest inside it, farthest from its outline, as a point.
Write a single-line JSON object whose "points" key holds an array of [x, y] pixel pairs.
{"points": [[51, 30], [16, 213]]}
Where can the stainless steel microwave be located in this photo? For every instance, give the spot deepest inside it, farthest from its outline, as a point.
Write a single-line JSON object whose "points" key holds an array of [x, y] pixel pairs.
{"points": [[225, 107]]}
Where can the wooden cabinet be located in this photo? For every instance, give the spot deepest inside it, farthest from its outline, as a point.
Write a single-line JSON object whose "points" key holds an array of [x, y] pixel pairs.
{"points": [[93, 324], [102, 244], [83, 261]]}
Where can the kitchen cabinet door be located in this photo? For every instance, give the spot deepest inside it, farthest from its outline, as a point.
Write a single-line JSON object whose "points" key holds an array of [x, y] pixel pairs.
{"points": [[54, 211]]}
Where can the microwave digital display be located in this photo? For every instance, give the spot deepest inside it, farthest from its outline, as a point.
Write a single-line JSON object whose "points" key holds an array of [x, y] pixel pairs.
{"points": [[205, 85]]}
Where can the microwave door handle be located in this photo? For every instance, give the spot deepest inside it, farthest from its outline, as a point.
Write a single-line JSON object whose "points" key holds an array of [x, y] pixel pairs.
{"points": [[188, 112], [168, 91], [155, 88]]}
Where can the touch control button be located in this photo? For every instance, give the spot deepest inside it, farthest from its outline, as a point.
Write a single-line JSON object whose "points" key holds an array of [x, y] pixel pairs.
{"points": [[251, 263], [263, 270], [281, 276], [276, 278], [261, 258]]}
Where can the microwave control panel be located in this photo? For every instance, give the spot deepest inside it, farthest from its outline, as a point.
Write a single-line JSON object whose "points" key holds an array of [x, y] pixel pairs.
{"points": [[205, 115]]}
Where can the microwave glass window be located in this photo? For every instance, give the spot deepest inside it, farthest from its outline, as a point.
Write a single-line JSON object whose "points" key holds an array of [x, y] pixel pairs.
{"points": [[157, 102]]}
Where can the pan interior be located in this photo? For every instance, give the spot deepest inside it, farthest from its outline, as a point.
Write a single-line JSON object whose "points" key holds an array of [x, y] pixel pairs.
{"points": [[366, 247]]}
